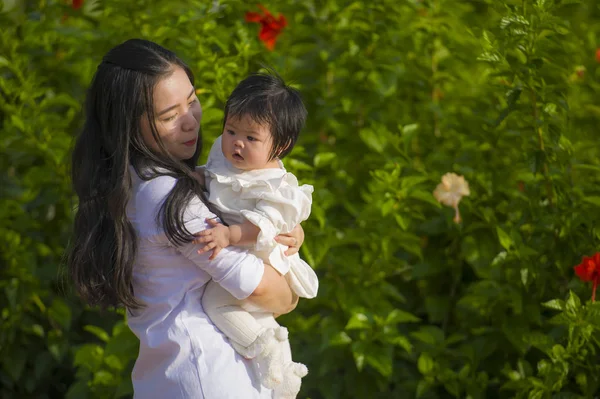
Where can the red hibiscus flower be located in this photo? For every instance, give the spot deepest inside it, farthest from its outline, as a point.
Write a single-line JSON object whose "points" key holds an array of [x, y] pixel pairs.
{"points": [[598, 55], [589, 270], [270, 27], [75, 5]]}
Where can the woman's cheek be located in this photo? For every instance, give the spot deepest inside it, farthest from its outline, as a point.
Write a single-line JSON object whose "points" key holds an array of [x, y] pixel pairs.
{"points": [[197, 112]]}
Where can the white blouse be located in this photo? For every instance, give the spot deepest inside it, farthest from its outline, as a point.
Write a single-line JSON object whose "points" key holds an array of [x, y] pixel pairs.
{"points": [[272, 200], [182, 354]]}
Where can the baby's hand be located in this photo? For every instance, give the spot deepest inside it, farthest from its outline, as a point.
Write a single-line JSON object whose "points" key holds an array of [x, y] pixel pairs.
{"points": [[215, 238]]}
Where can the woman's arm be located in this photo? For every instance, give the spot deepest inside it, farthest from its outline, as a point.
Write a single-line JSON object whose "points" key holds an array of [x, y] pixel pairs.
{"points": [[239, 272], [220, 236], [242, 274], [273, 293]]}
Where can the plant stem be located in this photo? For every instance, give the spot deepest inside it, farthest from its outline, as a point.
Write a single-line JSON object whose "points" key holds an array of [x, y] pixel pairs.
{"points": [[594, 289], [434, 69], [539, 132]]}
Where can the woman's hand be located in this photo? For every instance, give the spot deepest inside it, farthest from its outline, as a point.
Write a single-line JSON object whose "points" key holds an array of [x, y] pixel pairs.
{"points": [[293, 240]]}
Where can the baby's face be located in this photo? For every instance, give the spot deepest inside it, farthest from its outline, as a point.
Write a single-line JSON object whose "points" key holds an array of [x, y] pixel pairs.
{"points": [[247, 144]]}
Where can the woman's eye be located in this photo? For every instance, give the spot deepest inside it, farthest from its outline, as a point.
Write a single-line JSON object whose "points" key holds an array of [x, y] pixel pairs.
{"points": [[191, 102], [170, 118]]}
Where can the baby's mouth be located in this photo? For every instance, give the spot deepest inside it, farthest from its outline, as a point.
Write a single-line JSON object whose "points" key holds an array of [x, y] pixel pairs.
{"points": [[238, 157]]}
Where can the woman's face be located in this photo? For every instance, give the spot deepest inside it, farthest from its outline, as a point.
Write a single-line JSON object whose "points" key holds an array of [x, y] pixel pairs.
{"points": [[177, 113]]}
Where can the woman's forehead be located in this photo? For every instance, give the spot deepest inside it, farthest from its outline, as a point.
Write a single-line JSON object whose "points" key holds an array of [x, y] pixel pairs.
{"points": [[172, 89]]}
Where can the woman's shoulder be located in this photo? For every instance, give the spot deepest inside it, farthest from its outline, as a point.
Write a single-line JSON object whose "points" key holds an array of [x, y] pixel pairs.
{"points": [[149, 195], [155, 189]]}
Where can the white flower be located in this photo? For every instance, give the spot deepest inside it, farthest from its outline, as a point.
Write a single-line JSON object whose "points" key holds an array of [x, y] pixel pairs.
{"points": [[451, 190]]}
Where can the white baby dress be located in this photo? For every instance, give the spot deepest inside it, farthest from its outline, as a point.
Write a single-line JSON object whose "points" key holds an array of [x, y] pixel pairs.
{"points": [[272, 200]]}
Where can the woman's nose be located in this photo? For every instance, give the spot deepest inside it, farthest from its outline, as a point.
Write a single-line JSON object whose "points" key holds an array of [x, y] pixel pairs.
{"points": [[189, 122]]}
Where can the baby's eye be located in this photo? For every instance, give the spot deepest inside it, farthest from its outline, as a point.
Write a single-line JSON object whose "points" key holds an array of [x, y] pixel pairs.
{"points": [[230, 132], [250, 138]]}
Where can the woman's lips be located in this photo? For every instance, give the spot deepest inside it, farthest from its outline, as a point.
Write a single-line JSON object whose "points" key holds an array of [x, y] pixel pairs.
{"points": [[190, 143]]}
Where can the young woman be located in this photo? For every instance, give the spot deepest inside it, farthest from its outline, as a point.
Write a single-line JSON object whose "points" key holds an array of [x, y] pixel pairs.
{"points": [[140, 202]]}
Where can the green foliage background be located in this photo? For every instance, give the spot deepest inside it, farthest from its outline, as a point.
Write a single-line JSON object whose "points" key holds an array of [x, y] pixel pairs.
{"points": [[399, 92]]}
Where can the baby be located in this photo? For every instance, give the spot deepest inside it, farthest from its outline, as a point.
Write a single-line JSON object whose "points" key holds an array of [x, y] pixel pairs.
{"points": [[258, 200]]}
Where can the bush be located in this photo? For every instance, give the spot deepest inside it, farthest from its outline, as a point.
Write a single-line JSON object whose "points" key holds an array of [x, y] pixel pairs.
{"points": [[399, 93]]}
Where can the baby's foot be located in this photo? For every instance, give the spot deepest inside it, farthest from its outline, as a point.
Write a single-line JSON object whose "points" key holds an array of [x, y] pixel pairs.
{"points": [[270, 363], [256, 347], [299, 369], [292, 381], [281, 333]]}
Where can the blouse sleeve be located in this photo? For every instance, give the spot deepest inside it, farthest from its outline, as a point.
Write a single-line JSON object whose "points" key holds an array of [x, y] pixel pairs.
{"points": [[236, 270]]}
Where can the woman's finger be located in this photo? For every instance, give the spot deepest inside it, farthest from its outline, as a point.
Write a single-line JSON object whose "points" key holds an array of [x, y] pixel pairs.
{"points": [[291, 251], [286, 240]]}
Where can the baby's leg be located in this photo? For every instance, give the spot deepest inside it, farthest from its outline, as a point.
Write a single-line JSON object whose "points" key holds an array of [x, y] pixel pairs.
{"points": [[253, 335], [239, 325]]}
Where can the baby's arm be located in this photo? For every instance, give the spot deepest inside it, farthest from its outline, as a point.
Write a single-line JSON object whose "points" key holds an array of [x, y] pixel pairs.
{"points": [[221, 236]]}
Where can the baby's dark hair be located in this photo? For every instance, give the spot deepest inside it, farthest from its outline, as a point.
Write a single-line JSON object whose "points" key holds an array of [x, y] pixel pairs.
{"points": [[266, 99]]}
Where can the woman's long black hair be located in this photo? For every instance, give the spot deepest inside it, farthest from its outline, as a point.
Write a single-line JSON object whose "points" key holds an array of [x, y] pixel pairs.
{"points": [[103, 248]]}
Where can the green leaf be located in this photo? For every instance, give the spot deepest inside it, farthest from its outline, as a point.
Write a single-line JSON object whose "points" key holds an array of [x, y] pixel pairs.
{"points": [[555, 304], [425, 364], [505, 240], [375, 141], [113, 362], [402, 222], [18, 122], [13, 362], [359, 355], [426, 197], [212, 115], [410, 129], [573, 304], [79, 390], [402, 342], [380, 358], [429, 334], [358, 321], [297, 165], [98, 332], [89, 356], [592, 200], [60, 313], [324, 159], [423, 387], [125, 388], [400, 316], [340, 339]]}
